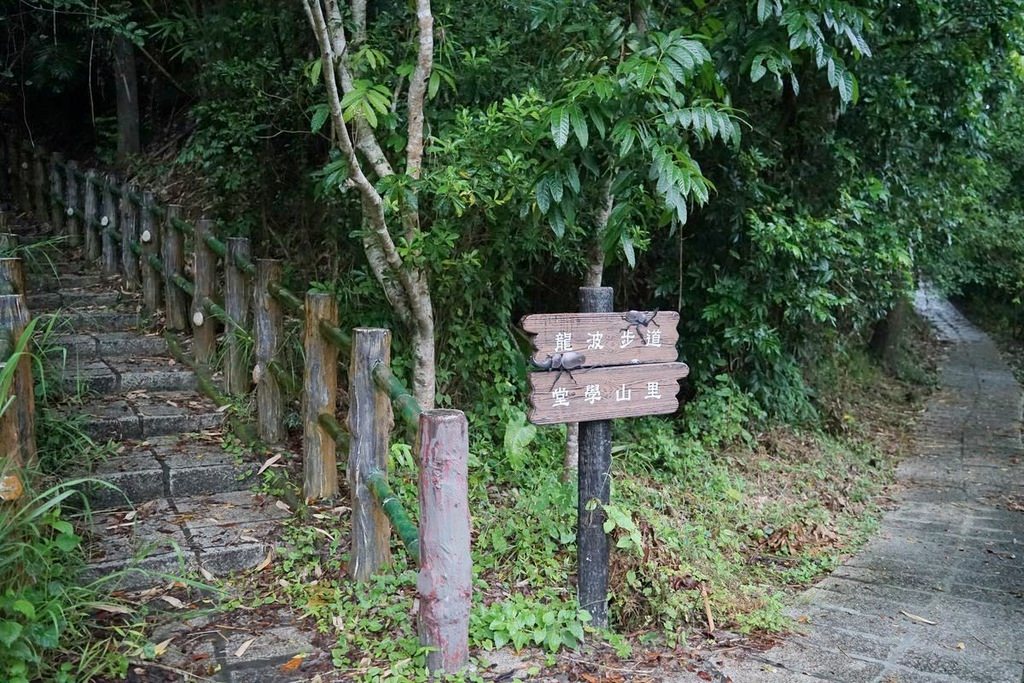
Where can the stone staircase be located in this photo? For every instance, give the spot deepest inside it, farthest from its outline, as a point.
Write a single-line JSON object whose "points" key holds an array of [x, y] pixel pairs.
{"points": [[171, 500]]}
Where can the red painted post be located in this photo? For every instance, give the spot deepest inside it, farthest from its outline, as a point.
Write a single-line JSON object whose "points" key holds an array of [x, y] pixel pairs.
{"points": [[446, 568]]}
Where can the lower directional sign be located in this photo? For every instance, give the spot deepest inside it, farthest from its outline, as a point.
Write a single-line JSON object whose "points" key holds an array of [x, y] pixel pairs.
{"points": [[604, 393]]}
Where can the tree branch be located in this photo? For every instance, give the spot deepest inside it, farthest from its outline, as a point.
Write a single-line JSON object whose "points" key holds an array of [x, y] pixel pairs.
{"points": [[418, 88]]}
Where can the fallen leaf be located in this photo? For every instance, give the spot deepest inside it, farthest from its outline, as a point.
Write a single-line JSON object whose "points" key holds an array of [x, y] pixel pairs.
{"points": [[916, 618], [266, 561], [269, 463], [173, 601], [281, 505], [207, 574], [113, 609], [162, 647], [293, 663], [244, 646]]}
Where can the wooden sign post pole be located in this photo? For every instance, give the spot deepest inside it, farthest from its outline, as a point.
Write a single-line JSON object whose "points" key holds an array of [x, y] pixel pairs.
{"points": [[594, 492], [595, 366]]}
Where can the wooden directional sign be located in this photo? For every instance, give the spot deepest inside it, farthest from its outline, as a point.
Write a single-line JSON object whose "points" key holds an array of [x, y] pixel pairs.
{"points": [[606, 338], [605, 393]]}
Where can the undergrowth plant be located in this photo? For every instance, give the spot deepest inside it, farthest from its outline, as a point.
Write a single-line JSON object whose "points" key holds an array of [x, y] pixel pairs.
{"points": [[48, 625]]}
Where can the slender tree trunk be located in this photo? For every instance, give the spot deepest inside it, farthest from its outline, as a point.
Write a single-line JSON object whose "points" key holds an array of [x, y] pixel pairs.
{"points": [[405, 285], [593, 277], [127, 87]]}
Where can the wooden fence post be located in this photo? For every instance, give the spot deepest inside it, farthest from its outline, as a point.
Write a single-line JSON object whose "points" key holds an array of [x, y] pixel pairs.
{"points": [[13, 320], [445, 582], [8, 240], [129, 236], [149, 236], [92, 236], [108, 224], [369, 422], [56, 193], [73, 227], [39, 184], [268, 325], [319, 395], [173, 248], [204, 328], [12, 276], [237, 378]]}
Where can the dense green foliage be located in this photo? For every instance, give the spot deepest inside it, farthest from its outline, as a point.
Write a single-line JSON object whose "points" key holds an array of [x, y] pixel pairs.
{"points": [[777, 170]]}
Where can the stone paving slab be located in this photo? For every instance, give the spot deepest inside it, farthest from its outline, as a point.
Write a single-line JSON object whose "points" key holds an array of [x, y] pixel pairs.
{"points": [[176, 466], [114, 375], [146, 414], [108, 345], [48, 302], [101, 320], [938, 594], [217, 535]]}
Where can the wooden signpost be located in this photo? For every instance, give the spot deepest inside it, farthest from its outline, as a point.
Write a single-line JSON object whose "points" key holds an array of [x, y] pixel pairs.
{"points": [[594, 366]]}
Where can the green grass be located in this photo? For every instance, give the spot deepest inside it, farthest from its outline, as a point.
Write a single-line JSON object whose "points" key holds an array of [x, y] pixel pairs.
{"points": [[50, 622], [717, 504]]}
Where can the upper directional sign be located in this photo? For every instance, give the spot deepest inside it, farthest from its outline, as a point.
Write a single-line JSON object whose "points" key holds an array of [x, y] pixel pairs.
{"points": [[626, 338]]}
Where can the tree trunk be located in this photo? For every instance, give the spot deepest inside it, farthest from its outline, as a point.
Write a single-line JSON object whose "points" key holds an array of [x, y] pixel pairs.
{"points": [[405, 285], [886, 335], [127, 87]]}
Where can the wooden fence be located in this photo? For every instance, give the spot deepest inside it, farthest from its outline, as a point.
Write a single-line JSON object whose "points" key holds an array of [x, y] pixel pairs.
{"points": [[127, 233]]}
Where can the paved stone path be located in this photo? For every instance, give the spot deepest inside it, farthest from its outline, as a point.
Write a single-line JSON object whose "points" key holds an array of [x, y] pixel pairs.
{"points": [[938, 594]]}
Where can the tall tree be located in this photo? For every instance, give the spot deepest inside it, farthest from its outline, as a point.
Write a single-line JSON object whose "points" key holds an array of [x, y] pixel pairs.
{"points": [[127, 88], [390, 216]]}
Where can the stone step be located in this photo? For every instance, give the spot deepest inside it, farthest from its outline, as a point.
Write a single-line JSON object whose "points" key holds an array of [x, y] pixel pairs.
{"points": [[48, 302], [217, 534], [142, 414], [101, 320], [108, 345], [173, 466], [116, 375], [50, 282]]}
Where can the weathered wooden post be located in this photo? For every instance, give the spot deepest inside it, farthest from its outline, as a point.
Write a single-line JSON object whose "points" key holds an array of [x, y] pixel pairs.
{"points": [[595, 476], [445, 581], [204, 329], [8, 240], [129, 237], [73, 227], [12, 276], [369, 423], [89, 228], [13, 320], [56, 193], [319, 394], [41, 209], [236, 303], [173, 249], [625, 367], [149, 236], [108, 224], [268, 326]]}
